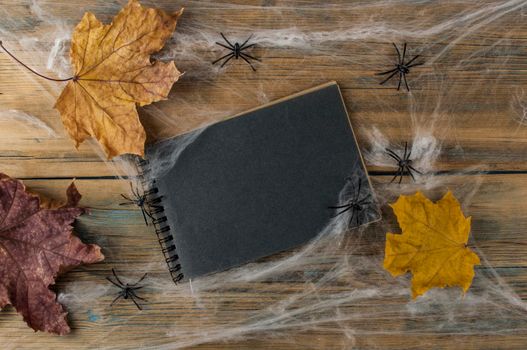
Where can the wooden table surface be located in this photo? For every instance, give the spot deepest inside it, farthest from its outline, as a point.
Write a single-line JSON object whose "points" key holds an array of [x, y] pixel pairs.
{"points": [[468, 94]]}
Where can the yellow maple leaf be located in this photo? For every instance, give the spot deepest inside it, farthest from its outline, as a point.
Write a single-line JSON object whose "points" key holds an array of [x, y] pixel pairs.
{"points": [[113, 74], [433, 243]]}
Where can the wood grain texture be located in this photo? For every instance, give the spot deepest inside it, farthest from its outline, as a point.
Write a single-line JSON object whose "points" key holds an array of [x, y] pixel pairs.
{"points": [[475, 130]]}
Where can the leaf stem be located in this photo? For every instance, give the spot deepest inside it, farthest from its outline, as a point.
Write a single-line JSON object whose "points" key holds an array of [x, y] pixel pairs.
{"points": [[31, 70]]}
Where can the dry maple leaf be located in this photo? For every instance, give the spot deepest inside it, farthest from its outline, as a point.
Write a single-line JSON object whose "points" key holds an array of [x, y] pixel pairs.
{"points": [[113, 74], [36, 244], [433, 243]]}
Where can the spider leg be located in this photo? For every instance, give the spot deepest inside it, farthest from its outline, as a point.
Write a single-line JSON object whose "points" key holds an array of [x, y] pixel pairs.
{"points": [[406, 83], [136, 283], [350, 220], [134, 190], [396, 158], [358, 191], [396, 175], [140, 197], [414, 169], [400, 79], [144, 215], [227, 41], [404, 54], [117, 278], [115, 300], [223, 45], [137, 296], [114, 283], [357, 218], [227, 60], [405, 150], [415, 64], [126, 197], [135, 302], [246, 60], [339, 206], [393, 154], [242, 48], [249, 56], [342, 211], [245, 42], [410, 173], [391, 76], [219, 59], [364, 200], [149, 214], [401, 174], [388, 71], [398, 53], [409, 153], [413, 59]]}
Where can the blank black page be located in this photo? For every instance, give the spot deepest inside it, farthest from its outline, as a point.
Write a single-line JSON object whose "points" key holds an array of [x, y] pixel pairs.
{"points": [[261, 182]]}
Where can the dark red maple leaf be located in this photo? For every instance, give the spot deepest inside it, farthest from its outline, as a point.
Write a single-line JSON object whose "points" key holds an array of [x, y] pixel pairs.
{"points": [[36, 244]]}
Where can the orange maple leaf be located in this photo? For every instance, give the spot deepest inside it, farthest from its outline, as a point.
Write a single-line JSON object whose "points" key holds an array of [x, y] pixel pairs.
{"points": [[433, 243], [113, 74]]}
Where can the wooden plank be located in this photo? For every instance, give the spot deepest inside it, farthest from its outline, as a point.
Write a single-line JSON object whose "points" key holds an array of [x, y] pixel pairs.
{"points": [[452, 94], [497, 210], [469, 96]]}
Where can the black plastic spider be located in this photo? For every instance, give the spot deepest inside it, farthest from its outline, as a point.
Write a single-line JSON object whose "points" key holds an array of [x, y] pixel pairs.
{"points": [[356, 204], [127, 291], [401, 68], [404, 164], [139, 200], [236, 52]]}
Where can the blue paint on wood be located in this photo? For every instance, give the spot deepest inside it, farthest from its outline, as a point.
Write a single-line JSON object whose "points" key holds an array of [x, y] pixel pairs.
{"points": [[93, 317]]}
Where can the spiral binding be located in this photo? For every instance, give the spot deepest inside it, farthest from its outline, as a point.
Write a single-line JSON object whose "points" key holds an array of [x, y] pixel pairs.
{"points": [[154, 202]]}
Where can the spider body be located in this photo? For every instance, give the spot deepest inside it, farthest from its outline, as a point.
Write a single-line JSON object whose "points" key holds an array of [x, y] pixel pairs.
{"points": [[138, 200], [236, 51], [357, 204], [127, 290], [404, 164], [401, 67]]}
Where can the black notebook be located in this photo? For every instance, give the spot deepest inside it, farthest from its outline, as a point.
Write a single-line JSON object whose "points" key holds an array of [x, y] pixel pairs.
{"points": [[257, 184]]}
